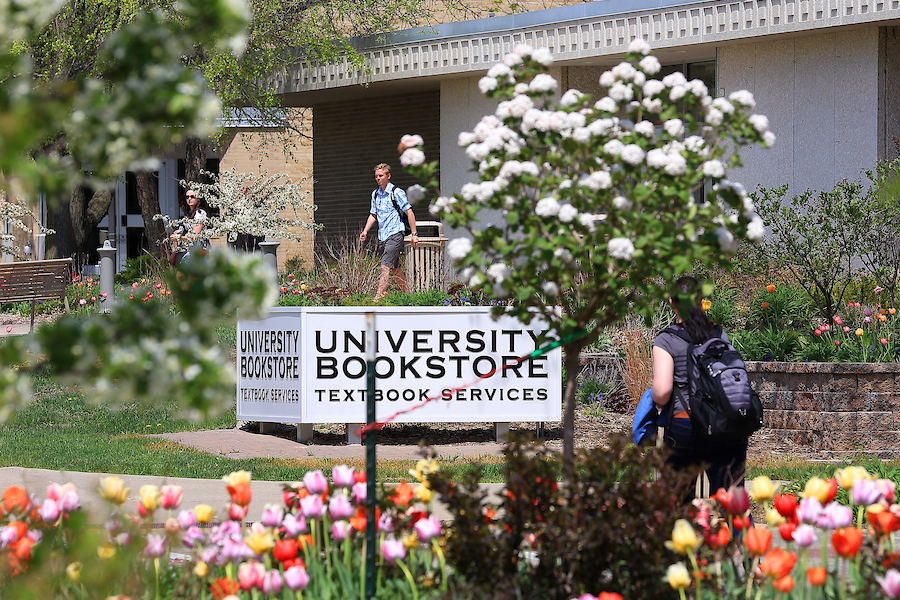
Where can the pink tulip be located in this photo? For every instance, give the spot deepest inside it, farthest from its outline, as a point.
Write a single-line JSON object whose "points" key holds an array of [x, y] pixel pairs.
{"points": [[428, 528], [315, 482], [312, 507], [738, 501], [339, 530], [826, 327], [837, 342], [343, 476], [271, 584], [879, 289], [70, 501], [186, 518], [887, 488], [171, 496], [805, 535], [56, 491], [251, 575], [359, 493], [884, 341], [49, 511], [867, 319], [867, 312], [838, 320], [808, 510], [339, 507], [236, 512], [294, 525], [393, 550], [385, 524], [156, 546], [836, 516], [818, 332], [846, 329], [890, 583], [272, 516], [296, 578]]}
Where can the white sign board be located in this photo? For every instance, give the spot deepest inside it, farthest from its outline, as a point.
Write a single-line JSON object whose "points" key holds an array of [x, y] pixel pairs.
{"points": [[453, 364]]}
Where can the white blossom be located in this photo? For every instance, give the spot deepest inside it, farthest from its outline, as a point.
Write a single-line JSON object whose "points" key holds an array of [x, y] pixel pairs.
{"points": [[653, 105], [633, 154], [412, 141], [674, 127], [698, 88], [714, 117], [562, 254], [571, 98], [677, 93], [512, 60], [477, 152], [602, 127], [458, 249], [412, 157], [441, 204], [622, 203], [596, 181], [487, 84], [499, 71], [677, 165], [415, 193], [521, 88], [620, 248], [550, 288], [744, 98], [653, 87], [613, 147], [726, 240], [588, 221], [582, 135], [756, 229], [768, 139], [542, 56], [523, 50], [542, 83], [759, 122], [649, 65], [695, 143], [607, 79], [567, 213], [606, 104], [657, 158], [673, 79], [465, 138], [621, 92], [498, 272], [624, 71], [547, 207], [530, 168], [724, 105], [713, 168], [645, 128], [639, 46]]}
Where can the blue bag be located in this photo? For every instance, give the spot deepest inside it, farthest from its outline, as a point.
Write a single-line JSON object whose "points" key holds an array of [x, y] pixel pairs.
{"points": [[643, 429]]}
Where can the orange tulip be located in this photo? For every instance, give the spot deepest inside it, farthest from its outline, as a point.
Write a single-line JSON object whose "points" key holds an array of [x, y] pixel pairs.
{"points": [[893, 311], [719, 538], [765, 305], [784, 585], [770, 288], [240, 493], [883, 522], [403, 494], [22, 548], [15, 499], [816, 576], [847, 541], [609, 596], [778, 563], [758, 540], [224, 586]]}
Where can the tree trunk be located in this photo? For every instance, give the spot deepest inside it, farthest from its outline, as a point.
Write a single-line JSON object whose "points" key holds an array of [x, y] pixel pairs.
{"points": [[194, 164], [573, 366], [61, 244], [148, 198]]}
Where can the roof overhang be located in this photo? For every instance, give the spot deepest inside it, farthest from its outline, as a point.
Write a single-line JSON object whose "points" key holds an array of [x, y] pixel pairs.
{"points": [[594, 33]]}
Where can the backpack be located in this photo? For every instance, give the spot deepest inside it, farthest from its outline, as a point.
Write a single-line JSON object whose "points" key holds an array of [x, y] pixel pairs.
{"points": [[407, 230], [721, 402]]}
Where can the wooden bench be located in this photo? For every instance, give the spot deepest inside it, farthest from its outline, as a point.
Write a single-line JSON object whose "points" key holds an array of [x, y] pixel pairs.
{"points": [[35, 280]]}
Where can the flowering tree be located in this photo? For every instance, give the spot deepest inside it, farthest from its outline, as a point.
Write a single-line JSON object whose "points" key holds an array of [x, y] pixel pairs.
{"points": [[252, 204], [606, 203]]}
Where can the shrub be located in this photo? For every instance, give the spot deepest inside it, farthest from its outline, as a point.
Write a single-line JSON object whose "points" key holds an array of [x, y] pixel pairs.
{"points": [[784, 307], [767, 344], [600, 531], [723, 306]]}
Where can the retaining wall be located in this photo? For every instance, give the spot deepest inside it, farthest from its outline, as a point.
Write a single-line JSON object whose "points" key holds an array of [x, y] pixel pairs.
{"points": [[844, 407]]}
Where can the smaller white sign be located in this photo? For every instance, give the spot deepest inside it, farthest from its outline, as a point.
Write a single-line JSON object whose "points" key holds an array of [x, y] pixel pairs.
{"points": [[433, 364]]}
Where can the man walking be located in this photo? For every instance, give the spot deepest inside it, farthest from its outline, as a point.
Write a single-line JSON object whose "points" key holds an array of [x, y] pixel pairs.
{"points": [[388, 202]]}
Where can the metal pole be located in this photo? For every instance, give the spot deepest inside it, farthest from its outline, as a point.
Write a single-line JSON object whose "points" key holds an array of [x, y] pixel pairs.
{"points": [[371, 437], [107, 275]]}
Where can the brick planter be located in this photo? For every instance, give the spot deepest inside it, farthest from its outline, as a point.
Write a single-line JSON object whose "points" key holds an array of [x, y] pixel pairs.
{"points": [[842, 407]]}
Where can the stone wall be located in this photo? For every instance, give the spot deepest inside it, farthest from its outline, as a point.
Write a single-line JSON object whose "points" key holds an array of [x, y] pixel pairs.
{"points": [[843, 407]]}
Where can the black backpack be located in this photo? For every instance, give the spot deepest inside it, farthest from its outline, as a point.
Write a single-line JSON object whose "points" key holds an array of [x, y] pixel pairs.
{"points": [[721, 402]]}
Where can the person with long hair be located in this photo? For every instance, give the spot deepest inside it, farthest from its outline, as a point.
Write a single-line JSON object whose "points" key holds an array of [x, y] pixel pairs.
{"points": [[723, 461], [187, 236]]}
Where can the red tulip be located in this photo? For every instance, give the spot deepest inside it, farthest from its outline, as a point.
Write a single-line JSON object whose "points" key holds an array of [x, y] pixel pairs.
{"points": [[758, 540], [285, 550], [785, 504], [786, 530], [784, 585], [883, 522], [847, 541], [778, 563], [816, 576]]}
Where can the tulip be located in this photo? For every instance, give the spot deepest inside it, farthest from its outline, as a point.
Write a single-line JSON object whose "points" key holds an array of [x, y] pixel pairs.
{"points": [[705, 305], [149, 497], [820, 489], [773, 517], [778, 563], [428, 528], [890, 583], [859, 332], [156, 546], [186, 518], [296, 578], [359, 492], [786, 531], [286, 549], [808, 510], [818, 332], [738, 501], [172, 527], [201, 569], [312, 507], [887, 488], [340, 530], [678, 577], [784, 585], [315, 482], [878, 289], [865, 493], [882, 521], [342, 476], [272, 516], [172, 495], [385, 524], [236, 512], [837, 342], [339, 507], [847, 541], [424, 468], [684, 538], [272, 583], [785, 504], [762, 489], [294, 525], [835, 516], [845, 329], [291, 495], [112, 489], [49, 511], [770, 288], [259, 540], [884, 341], [73, 572], [838, 320], [193, 537], [393, 550], [816, 576], [251, 574], [848, 476], [804, 535], [758, 540], [423, 493], [56, 491], [238, 486], [764, 305], [204, 513]]}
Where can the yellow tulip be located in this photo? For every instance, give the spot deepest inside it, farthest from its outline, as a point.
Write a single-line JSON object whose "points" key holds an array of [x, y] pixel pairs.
{"points": [[112, 489], [762, 489], [859, 332], [106, 552], [849, 476], [773, 517], [678, 577], [237, 477], [260, 541], [410, 541], [204, 513], [201, 569], [150, 497], [705, 305], [73, 570], [817, 488], [424, 468], [423, 493], [684, 538]]}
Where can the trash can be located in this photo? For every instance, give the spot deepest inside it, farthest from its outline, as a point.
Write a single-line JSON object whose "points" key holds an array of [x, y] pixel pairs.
{"points": [[425, 264]]}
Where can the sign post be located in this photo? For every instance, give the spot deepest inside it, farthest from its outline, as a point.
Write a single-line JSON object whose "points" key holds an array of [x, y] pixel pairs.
{"points": [[371, 465]]}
